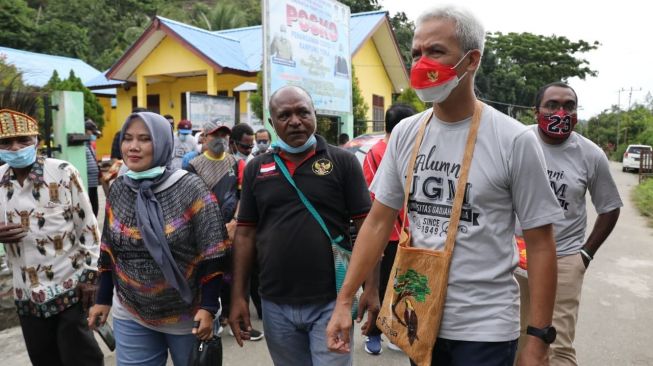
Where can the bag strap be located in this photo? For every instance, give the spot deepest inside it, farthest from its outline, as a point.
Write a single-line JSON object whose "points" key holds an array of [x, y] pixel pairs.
{"points": [[411, 164], [462, 181], [305, 200]]}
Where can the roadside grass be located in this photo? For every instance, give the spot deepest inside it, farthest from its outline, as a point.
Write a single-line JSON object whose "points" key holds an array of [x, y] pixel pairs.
{"points": [[643, 196]]}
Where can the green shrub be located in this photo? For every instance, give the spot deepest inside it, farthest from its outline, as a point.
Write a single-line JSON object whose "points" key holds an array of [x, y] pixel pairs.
{"points": [[643, 196]]}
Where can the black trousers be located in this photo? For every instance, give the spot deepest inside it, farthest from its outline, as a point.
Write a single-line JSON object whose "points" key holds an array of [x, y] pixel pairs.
{"points": [[386, 267], [448, 352], [93, 197], [61, 340]]}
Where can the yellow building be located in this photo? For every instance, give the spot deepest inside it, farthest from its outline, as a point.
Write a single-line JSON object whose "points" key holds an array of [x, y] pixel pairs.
{"points": [[171, 58]]}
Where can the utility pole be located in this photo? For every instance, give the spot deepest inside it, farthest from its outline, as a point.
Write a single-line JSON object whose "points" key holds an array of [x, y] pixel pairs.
{"points": [[619, 117], [630, 98]]}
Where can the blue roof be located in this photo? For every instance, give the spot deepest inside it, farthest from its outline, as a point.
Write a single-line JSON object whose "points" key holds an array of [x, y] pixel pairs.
{"points": [[360, 27], [248, 38], [222, 50], [37, 68]]}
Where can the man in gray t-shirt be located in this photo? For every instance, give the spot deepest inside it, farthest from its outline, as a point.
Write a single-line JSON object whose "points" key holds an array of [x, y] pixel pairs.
{"points": [[575, 165], [507, 177]]}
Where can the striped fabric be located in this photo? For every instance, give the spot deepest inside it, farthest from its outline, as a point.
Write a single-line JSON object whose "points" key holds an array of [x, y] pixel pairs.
{"points": [[195, 233]]}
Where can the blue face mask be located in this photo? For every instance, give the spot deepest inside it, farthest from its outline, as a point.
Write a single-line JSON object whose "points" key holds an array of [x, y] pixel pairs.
{"points": [[295, 150], [21, 158], [146, 174], [93, 137]]}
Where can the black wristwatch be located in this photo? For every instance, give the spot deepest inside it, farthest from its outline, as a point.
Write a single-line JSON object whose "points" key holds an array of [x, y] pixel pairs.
{"points": [[546, 334]]}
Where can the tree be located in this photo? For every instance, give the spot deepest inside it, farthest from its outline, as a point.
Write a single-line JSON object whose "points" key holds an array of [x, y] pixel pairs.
{"points": [[360, 108], [223, 15], [359, 6], [409, 284], [17, 19], [92, 107], [408, 96], [516, 65], [404, 30], [256, 98]]}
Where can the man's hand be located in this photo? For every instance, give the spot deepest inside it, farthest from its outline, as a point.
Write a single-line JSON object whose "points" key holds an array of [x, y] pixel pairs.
{"points": [[534, 353], [231, 229], [239, 314], [86, 294], [203, 327], [339, 327], [11, 233], [98, 315], [586, 261], [369, 301]]}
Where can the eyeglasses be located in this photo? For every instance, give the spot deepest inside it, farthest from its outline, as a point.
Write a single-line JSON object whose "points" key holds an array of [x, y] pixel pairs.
{"points": [[553, 105], [244, 146]]}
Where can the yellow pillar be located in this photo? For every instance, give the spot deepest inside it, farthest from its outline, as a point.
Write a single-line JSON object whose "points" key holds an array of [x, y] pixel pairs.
{"points": [[141, 91], [211, 82]]}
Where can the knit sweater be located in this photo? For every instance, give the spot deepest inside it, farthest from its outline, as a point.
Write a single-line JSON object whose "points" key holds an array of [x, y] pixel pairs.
{"points": [[196, 236]]}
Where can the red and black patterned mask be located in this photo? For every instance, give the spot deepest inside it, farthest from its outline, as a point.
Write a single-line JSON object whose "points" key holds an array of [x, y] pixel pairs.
{"points": [[558, 125]]}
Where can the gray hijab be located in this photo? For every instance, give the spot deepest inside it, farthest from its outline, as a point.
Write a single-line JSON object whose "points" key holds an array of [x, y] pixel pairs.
{"points": [[149, 216]]}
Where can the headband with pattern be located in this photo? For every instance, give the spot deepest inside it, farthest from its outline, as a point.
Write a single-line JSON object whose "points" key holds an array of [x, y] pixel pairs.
{"points": [[14, 124]]}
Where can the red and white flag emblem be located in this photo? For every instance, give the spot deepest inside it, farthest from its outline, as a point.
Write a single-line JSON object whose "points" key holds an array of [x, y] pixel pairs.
{"points": [[267, 168]]}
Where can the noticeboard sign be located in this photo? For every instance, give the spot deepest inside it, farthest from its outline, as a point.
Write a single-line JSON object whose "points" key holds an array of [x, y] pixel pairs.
{"points": [[202, 108]]}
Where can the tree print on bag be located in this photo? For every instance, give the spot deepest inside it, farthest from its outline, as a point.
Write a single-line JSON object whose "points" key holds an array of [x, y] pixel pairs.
{"points": [[410, 284]]}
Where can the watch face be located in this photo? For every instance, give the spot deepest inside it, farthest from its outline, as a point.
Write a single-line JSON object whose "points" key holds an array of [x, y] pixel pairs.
{"points": [[550, 335]]}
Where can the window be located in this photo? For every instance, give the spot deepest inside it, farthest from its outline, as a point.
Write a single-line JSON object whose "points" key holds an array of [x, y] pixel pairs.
{"points": [[152, 103], [378, 112]]}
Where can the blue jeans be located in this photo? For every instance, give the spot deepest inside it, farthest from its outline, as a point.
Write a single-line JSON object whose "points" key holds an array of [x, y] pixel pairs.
{"points": [[138, 345], [296, 334], [448, 352]]}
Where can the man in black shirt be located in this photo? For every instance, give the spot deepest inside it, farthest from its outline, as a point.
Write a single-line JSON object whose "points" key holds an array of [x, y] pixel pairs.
{"points": [[297, 275]]}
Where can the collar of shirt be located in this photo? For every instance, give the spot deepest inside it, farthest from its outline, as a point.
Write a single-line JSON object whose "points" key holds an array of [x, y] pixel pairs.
{"points": [[35, 174]]}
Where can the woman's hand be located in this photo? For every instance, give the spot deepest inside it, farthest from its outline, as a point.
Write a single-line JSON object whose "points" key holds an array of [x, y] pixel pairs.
{"points": [[97, 315], [203, 327]]}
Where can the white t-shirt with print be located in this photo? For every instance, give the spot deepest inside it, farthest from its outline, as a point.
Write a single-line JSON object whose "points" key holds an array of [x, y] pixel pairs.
{"points": [[574, 168], [507, 178]]}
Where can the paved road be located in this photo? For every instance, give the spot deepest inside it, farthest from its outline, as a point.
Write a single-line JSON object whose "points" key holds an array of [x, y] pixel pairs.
{"points": [[615, 325]]}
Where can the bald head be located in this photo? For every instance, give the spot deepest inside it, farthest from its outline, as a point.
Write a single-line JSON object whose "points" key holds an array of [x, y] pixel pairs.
{"points": [[292, 115], [288, 92]]}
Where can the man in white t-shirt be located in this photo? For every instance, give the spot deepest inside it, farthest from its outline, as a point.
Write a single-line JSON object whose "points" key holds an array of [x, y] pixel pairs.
{"points": [[575, 165], [507, 178]]}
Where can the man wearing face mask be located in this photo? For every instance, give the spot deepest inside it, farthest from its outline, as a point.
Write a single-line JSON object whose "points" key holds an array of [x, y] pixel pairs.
{"points": [[51, 237], [242, 140], [222, 173], [263, 140], [184, 143], [278, 232], [507, 178], [575, 166]]}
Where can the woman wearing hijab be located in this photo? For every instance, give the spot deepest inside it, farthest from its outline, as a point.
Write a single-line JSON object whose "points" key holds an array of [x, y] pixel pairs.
{"points": [[163, 249]]}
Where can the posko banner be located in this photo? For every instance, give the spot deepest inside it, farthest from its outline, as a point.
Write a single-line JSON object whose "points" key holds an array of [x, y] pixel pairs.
{"points": [[306, 44]]}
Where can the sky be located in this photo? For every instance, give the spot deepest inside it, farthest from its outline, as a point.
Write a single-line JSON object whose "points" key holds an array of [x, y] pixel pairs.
{"points": [[624, 29]]}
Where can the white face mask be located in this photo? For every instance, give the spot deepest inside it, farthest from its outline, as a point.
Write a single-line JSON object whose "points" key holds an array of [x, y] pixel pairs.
{"points": [[439, 93]]}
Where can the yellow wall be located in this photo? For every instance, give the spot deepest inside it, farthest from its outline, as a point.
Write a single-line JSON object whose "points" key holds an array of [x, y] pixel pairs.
{"points": [[372, 77], [168, 57], [111, 126]]}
